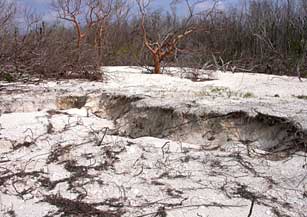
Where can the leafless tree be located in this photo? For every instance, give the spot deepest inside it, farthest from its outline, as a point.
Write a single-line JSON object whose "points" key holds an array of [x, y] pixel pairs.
{"points": [[71, 11], [87, 13], [166, 44], [31, 19], [102, 10], [7, 11], [121, 10]]}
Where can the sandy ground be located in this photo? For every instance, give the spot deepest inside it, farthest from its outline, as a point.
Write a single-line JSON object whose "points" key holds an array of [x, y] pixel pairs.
{"points": [[59, 160]]}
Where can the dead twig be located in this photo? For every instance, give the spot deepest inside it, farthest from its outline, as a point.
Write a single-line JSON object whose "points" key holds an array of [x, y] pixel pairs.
{"points": [[165, 148], [251, 207], [103, 136]]}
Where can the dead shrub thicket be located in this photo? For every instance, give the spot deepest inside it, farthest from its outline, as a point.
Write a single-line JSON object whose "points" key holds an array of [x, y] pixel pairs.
{"points": [[264, 36], [70, 49]]}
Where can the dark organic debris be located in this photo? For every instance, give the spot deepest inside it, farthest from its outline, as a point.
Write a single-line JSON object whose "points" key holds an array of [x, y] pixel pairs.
{"points": [[77, 208], [57, 152], [4, 178], [20, 145], [50, 185], [161, 212], [11, 213]]}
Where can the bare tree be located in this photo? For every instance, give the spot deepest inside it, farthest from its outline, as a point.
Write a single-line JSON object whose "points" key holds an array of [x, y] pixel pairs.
{"points": [[166, 44], [121, 10], [82, 12], [7, 11], [86, 15], [102, 11], [70, 10]]}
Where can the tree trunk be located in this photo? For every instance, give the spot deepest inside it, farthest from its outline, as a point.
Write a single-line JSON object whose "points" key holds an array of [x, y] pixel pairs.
{"points": [[79, 34], [98, 45], [78, 42], [157, 64], [99, 53]]}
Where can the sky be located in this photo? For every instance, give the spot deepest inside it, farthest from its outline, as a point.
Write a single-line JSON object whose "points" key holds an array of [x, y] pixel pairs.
{"points": [[43, 6]]}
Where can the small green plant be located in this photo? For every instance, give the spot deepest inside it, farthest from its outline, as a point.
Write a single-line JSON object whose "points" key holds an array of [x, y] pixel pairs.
{"points": [[302, 97], [223, 91], [248, 95], [7, 77], [218, 89]]}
